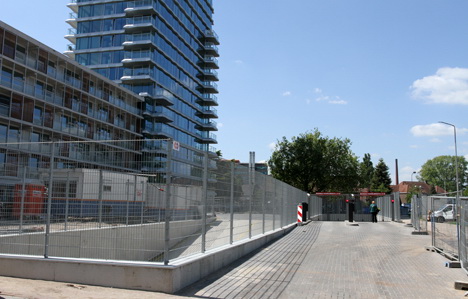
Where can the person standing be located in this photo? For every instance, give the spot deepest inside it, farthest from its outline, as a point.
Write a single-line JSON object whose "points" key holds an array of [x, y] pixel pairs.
{"points": [[374, 210]]}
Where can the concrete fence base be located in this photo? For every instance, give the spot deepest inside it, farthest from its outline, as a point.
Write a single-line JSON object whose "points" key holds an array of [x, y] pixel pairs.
{"points": [[139, 276]]}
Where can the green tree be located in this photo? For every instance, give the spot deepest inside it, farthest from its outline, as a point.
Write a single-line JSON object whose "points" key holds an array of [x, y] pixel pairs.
{"points": [[441, 171], [314, 163], [381, 179], [366, 171]]}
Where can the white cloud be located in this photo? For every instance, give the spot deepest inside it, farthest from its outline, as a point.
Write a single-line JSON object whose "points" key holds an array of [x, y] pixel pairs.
{"points": [[447, 86], [317, 90], [238, 62], [338, 102], [414, 146], [287, 94], [333, 101], [272, 146], [435, 140], [433, 130], [308, 101], [322, 98], [220, 125]]}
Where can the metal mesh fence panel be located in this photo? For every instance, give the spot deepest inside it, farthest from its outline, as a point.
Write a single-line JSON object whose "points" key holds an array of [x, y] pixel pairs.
{"points": [[442, 215], [463, 222], [129, 200]]}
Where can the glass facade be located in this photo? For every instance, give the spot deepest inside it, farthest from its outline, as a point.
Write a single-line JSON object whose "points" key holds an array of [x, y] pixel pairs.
{"points": [[46, 97], [163, 50]]}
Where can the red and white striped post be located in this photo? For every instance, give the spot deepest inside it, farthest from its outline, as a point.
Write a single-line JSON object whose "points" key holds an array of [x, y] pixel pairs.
{"points": [[299, 213]]}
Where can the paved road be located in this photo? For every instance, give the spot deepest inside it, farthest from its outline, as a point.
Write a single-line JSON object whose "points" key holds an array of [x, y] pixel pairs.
{"points": [[318, 260]]}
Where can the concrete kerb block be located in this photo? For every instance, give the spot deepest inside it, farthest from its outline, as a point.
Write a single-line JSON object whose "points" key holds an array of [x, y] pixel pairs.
{"points": [[461, 285], [453, 264]]}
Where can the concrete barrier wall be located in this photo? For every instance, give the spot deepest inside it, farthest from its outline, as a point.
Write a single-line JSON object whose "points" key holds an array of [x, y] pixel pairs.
{"points": [[127, 243], [141, 276]]}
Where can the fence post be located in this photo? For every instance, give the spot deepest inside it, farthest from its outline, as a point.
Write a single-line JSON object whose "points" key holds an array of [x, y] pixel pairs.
{"points": [[275, 202], [167, 215], [204, 200], [67, 194], [231, 225], [127, 195], [143, 194], [101, 181], [264, 203], [252, 186], [49, 201], [23, 193]]}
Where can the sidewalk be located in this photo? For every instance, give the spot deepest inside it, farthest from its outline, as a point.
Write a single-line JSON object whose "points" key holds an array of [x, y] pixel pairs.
{"points": [[318, 260]]}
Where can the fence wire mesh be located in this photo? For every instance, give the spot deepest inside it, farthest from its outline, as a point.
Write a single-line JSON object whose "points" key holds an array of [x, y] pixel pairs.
{"points": [[132, 200], [443, 220]]}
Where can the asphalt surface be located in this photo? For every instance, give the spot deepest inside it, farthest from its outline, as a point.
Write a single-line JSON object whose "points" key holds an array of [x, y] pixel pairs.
{"points": [[317, 260]]}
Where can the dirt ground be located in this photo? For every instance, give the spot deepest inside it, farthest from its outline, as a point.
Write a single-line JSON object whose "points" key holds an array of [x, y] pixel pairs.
{"points": [[17, 288]]}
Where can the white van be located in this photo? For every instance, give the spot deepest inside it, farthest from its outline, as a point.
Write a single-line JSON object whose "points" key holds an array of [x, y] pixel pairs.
{"points": [[446, 212]]}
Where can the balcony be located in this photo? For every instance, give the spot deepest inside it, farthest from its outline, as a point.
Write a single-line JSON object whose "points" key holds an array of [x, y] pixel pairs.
{"points": [[133, 62], [72, 20], [70, 51], [156, 134], [162, 98], [208, 100], [211, 49], [71, 35], [158, 116], [207, 112], [136, 79], [140, 8], [73, 6], [210, 62], [206, 138], [207, 126], [209, 74], [209, 87], [139, 24], [211, 37]]}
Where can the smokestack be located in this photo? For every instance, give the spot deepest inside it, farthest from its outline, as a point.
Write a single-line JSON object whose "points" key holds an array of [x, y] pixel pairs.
{"points": [[396, 171]]}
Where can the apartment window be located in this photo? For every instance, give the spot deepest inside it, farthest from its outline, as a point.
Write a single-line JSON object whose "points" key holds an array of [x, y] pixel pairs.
{"points": [[7, 75], [9, 45], [13, 134], [16, 106], [18, 81], [4, 105], [3, 133], [38, 116]]}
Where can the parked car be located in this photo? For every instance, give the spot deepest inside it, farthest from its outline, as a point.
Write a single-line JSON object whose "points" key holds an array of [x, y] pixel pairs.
{"points": [[446, 212]]}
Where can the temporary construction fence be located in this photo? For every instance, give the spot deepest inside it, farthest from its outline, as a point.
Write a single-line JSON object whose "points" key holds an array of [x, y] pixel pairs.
{"points": [[145, 200], [446, 219], [337, 207]]}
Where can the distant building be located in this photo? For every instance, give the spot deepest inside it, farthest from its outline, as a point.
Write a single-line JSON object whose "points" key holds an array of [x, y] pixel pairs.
{"points": [[406, 187], [259, 167]]}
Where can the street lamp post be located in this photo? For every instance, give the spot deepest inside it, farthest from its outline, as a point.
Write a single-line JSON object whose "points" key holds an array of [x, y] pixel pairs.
{"points": [[456, 155], [412, 175], [457, 197]]}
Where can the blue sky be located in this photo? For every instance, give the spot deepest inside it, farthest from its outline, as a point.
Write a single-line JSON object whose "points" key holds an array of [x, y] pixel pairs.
{"points": [[381, 73]]}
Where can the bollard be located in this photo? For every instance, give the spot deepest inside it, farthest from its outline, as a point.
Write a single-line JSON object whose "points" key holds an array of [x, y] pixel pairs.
{"points": [[299, 214]]}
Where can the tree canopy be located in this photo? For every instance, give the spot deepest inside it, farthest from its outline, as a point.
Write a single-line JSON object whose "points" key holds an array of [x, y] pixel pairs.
{"points": [[441, 171], [381, 179], [366, 171], [315, 163]]}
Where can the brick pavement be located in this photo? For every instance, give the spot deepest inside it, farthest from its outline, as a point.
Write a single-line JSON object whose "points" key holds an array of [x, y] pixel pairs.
{"points": [[318, 260], [335, 260]]}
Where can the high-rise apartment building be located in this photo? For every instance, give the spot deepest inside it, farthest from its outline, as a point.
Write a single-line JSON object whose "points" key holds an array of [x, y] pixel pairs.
{"points": [[163, 50]]}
